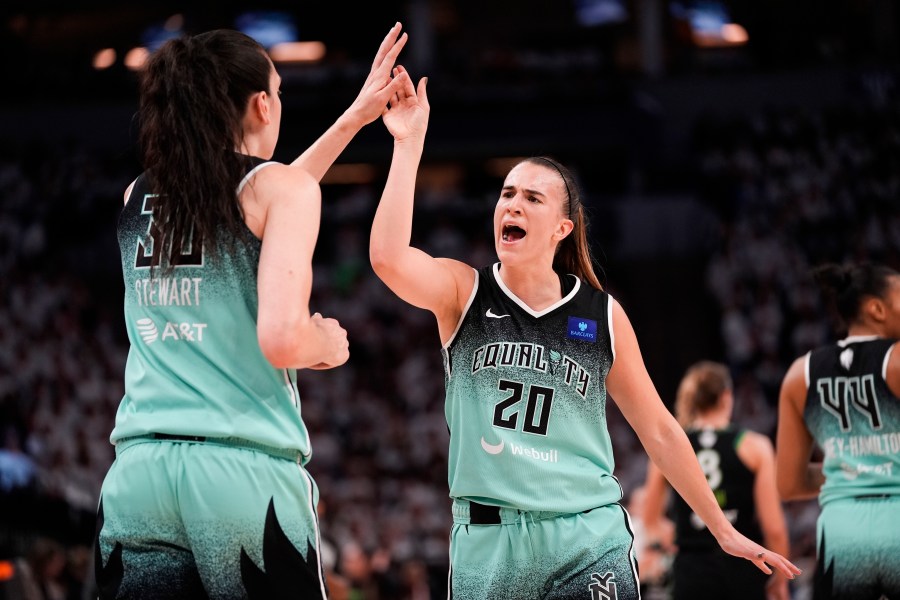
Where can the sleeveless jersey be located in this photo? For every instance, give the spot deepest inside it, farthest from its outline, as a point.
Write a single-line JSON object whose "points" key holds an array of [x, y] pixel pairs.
{"points": [[732, 485], [526, 399], [195, 366], [854, 417]]}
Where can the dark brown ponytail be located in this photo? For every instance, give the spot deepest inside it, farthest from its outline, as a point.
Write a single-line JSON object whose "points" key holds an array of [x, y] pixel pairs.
{"points": [[194, 93]]}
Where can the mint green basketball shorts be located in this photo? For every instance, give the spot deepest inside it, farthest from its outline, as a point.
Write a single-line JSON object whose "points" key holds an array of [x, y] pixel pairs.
{"points": [[506, 554], [859, 549], [186, 519]]}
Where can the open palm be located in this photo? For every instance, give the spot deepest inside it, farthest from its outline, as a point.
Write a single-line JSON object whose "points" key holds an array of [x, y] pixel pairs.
{"points": [[406, 115]]}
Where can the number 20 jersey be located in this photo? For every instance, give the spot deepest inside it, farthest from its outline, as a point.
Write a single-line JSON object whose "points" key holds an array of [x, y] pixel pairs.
{"points": [[854, 417], [526, 399]]}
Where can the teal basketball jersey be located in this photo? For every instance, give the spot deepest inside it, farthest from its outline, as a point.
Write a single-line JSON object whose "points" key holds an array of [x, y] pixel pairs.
{"points": [[195, 366], [854, 417], [526, 399]]}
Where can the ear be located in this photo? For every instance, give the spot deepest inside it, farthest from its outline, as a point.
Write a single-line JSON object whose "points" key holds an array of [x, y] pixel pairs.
{"points": [[874, 308], [259, 106], [563, 229]]}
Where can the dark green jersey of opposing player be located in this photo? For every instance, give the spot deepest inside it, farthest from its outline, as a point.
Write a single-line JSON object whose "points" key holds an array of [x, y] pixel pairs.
{"points": [[526, 399], [195, 366], [854, 417], [732, 484]]}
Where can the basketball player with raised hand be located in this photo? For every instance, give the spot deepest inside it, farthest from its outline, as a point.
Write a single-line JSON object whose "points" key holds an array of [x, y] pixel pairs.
{"points": [[531, 346], [845, 399], [208, 496]]}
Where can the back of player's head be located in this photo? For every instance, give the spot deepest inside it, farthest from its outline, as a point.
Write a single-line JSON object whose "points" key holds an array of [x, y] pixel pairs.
{"points": [[701, 389], [846, 286]]}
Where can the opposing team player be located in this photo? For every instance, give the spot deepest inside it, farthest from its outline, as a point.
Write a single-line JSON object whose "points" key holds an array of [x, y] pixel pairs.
{"points": [[531, 347], [740, 467], [844, 399]]}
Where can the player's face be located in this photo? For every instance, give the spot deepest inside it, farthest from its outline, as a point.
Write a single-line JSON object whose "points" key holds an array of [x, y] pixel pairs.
{"points": [[528, 219]]}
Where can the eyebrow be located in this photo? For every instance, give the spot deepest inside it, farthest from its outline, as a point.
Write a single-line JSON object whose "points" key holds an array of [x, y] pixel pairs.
{"points": [[527, 191]]}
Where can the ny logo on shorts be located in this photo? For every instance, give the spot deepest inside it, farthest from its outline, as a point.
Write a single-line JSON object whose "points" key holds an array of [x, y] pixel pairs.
{"points": [[603, 587]]}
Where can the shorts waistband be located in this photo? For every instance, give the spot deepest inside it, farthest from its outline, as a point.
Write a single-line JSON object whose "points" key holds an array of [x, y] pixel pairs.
{"points": [[467, 512], [875, 496], [230, 442]]}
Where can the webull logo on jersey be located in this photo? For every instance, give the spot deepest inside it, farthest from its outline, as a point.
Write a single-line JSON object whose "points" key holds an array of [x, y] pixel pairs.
{"points": [[186, 332], [533, 357], [548, 456], [582, 329]]}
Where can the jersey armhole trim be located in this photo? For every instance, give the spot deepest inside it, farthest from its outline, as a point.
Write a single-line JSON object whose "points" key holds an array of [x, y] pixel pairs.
{"points": [[887, 359], [251, 173], [806, 369], [612, 333], [465, 311]]}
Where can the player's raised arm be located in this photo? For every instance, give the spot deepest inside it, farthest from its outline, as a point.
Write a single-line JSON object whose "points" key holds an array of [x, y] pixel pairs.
{"points": [[439, 285]]}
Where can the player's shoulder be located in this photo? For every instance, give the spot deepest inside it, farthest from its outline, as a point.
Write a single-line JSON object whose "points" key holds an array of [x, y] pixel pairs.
{"points": [[274, 182]]}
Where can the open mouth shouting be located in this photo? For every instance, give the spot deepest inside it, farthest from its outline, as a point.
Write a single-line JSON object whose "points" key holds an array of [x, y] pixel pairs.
{"points": [[510, 233]]}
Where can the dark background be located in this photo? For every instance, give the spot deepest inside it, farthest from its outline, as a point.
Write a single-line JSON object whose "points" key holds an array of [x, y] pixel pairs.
{"points": [[716, 177]]}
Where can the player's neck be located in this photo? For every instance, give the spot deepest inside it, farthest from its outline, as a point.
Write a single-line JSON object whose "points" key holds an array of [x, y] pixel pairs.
{"points": [[711, 421], [536, 288]]}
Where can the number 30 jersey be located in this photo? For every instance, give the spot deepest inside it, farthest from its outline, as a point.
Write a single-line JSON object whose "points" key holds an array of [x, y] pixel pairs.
{"points": [[195, 366], [854, 417], [526, 399]]}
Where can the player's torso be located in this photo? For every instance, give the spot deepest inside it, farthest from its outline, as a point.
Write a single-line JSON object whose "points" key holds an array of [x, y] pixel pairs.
{"points": [[526, 394], [195, 366], [732, 485], [854, 417]]}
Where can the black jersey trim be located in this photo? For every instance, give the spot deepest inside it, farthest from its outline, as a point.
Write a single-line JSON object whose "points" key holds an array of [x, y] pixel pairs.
{"points": [[465, 311], [521, 304]]}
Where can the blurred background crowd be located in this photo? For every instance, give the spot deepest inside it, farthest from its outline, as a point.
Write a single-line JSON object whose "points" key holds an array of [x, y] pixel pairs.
{"points": [[724, 148]]}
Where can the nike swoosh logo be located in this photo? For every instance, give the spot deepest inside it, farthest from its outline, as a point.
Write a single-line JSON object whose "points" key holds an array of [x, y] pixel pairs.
{"points": [[491, 448], [491, 314]]}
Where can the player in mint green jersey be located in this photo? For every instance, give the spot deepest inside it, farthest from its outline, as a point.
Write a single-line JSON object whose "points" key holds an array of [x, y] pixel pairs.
{"points": [[531, 346], [845, 399], [208, 496]]}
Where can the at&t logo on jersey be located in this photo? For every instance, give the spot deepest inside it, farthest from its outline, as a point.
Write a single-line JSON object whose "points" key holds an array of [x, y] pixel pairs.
{"points": [[187, 332], [582, 329], [147, 329]]}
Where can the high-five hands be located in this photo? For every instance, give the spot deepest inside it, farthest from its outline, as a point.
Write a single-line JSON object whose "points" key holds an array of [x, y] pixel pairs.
{"points": [[380, 87], [406, 115]]}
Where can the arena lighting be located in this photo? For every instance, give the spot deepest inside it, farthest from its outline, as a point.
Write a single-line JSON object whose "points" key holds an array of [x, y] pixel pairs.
{"points": [[136, 58], [734, 34], [104, 59], [297, 52], [351, 173], [728, 35]]}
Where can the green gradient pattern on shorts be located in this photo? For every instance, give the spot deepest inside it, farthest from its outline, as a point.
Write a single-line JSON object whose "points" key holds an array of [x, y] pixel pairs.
{"points": [[588, 556], [187, 512], [195, 366], [859, 549]]}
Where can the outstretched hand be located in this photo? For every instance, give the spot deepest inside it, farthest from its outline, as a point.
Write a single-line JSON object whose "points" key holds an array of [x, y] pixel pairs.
{"points": [[406, 115], [379, 86], [765, 560]]}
